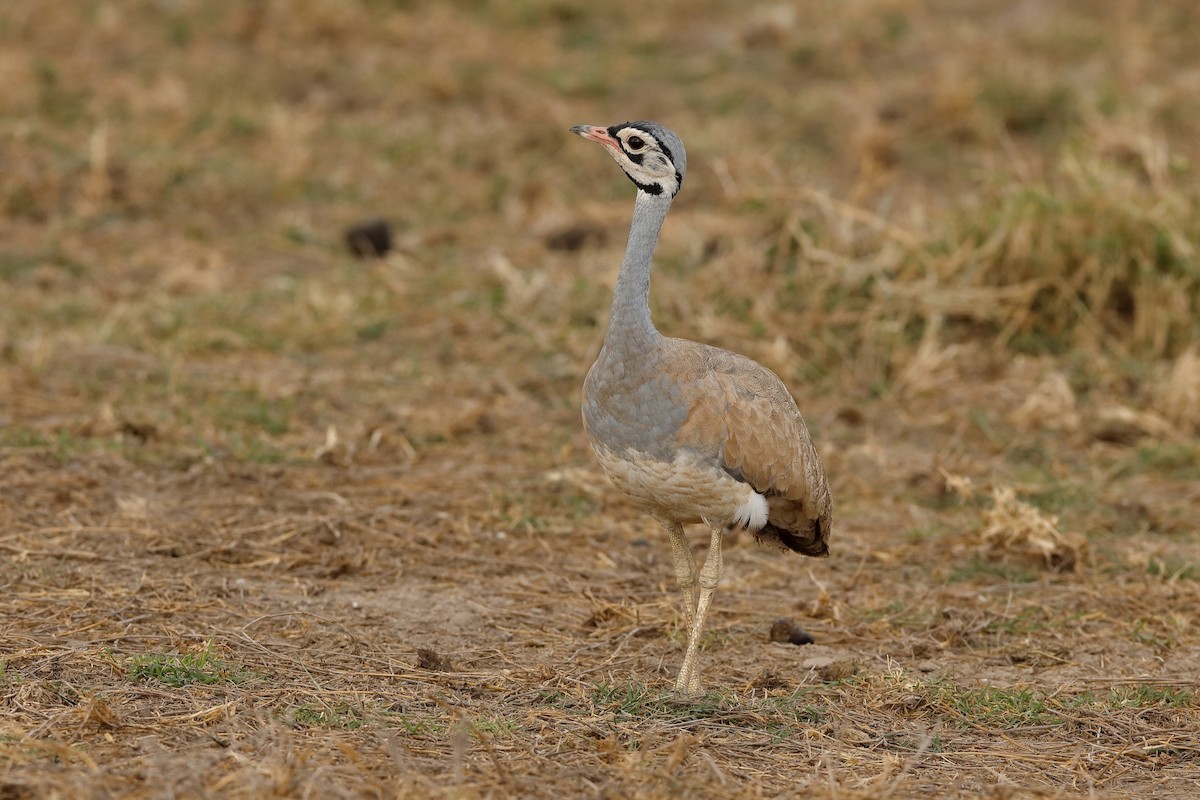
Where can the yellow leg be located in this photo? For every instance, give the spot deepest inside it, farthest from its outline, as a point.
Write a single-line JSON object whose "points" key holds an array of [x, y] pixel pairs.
{"points": [[688, 681], [685, 570]]}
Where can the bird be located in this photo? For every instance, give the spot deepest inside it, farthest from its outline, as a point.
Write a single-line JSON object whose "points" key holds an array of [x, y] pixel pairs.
{"points": [[689, 432]]}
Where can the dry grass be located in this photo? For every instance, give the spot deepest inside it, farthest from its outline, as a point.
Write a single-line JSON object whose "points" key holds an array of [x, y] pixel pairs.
{"points": [[279, 522]]}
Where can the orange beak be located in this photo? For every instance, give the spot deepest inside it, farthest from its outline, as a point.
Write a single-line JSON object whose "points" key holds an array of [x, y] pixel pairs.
{"points": [[596, 134]]}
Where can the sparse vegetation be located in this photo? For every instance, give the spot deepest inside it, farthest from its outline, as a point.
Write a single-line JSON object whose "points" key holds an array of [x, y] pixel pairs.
{"points": [[341, 715], [1008, 708], [184, 669], [993, 707], [965, 234]]}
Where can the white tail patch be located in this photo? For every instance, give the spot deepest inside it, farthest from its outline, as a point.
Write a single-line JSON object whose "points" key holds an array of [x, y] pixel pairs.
{"points": [[752, 514]]}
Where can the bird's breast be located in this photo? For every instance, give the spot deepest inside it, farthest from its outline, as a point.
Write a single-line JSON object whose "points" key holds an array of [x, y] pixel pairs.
{"points": [[629, 405]]}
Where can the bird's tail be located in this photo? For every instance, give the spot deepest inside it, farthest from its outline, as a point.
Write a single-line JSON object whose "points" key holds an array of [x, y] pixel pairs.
{"points": [[810, 542]]}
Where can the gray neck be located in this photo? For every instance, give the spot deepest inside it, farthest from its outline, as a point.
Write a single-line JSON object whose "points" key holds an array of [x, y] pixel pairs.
{"points": [[630, 318]]}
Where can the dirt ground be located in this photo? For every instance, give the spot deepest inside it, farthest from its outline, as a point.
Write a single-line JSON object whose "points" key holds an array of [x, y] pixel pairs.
{"points": [[277, 521]]}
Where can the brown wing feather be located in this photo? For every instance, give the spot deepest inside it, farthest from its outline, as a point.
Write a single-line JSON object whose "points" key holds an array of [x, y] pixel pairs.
{"points": [[742, 411]]}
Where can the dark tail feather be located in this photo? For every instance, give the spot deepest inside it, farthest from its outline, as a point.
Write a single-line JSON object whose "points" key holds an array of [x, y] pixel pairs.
{"points": [[809, 543]]}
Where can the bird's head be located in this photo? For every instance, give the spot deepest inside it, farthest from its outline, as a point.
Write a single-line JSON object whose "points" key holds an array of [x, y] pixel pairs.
{"points": [[651, 155]]}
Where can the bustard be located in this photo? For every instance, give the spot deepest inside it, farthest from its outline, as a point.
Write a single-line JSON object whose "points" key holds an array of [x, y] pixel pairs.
{"points": [[692, 433]]}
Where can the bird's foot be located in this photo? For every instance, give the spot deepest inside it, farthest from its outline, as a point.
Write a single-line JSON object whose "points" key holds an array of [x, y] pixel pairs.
{"points": [[687, 686]]}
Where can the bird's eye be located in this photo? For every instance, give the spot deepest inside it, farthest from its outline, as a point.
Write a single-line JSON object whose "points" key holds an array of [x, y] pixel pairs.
{"points": [[635, 143]]}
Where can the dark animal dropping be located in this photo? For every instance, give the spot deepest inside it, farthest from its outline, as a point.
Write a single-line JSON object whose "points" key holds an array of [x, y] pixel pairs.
{"points": [[784, 630], [371, 239]]}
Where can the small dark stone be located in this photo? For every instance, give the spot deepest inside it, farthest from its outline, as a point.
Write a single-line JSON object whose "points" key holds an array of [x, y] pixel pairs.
{"points": [[370, 239], [851, 415], [142, 431], [785, 630]]}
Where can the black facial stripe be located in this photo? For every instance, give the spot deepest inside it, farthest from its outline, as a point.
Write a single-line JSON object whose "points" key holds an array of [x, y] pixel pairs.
{"points": [[667, 152], [648, 188], [650, 137]]}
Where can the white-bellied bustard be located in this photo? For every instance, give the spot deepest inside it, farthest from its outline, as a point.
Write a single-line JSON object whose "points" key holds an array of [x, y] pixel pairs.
{"points": [[689, 432]]}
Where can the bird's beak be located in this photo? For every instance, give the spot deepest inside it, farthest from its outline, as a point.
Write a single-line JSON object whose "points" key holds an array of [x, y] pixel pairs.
{"points": [[596, 134]]}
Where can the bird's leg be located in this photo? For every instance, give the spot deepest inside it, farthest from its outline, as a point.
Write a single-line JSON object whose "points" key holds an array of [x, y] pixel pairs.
{"points": [[685, 570], [688, 681]]}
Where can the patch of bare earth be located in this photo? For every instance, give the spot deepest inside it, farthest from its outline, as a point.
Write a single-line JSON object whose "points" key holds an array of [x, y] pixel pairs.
{"points": [[385, 630]]}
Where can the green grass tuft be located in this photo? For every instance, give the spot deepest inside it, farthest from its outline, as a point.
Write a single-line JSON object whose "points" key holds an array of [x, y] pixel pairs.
{"points": [[638, 701], [781, 715], [996, 707], [990, 706], [187, 669], [323, 715], [1144, 695], [1181, 461]]}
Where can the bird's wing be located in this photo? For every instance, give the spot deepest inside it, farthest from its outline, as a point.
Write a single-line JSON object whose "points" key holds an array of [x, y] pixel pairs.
{"points": [[742, 414]]}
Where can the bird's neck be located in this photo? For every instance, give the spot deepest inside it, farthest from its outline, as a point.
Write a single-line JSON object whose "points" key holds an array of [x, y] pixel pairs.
{"points": [[630, 324]]}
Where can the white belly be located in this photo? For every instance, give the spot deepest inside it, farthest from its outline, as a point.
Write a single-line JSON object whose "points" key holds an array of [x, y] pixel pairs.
{"points": [[683, 490]]}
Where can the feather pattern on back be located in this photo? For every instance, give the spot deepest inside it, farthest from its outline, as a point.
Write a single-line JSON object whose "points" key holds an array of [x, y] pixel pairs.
{"points": [[742, 416]]}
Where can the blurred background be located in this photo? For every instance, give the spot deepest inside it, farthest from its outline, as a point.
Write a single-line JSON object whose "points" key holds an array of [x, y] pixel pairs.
{"points": [[869, 184], [964, 233]]}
